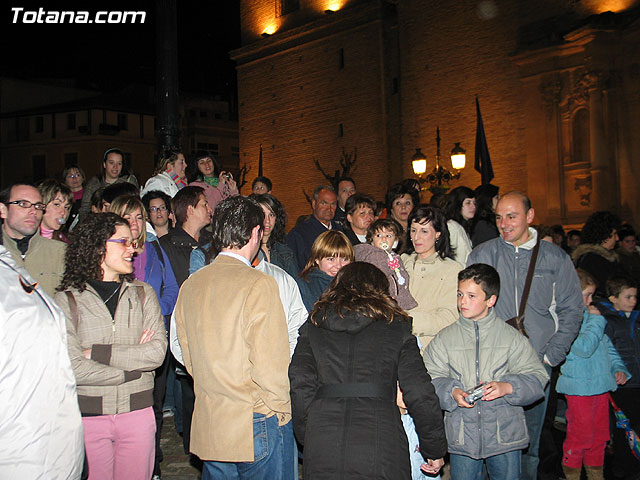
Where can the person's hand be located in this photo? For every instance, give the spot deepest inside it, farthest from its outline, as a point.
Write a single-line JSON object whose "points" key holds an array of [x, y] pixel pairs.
{"points": [[400, 400], [593, 310], [229, 181], [87, 353], [493, 390], [432, 467], [146, 336], [621, 378], [458, 395]]}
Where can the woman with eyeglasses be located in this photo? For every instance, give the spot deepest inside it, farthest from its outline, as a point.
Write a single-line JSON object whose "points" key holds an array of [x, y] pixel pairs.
{"points": [[218, 185], [116, 339], [151, 265], [159, 214]]}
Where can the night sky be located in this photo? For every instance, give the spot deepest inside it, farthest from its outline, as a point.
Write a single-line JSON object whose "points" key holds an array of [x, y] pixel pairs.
{"points": [[110, 56]]}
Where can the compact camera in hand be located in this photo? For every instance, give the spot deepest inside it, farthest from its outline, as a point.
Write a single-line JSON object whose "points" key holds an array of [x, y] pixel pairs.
{"points": [[474, 395]]}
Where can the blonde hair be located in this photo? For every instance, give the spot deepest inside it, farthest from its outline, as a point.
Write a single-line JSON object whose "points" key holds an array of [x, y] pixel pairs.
{"points": [[49, 188], [331, 243], [126, 205], [586, 279]]}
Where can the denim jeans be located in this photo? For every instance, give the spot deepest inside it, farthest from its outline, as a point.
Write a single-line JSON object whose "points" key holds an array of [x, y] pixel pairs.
{"points": [[534, 416], [505, 466], [272, 451]]}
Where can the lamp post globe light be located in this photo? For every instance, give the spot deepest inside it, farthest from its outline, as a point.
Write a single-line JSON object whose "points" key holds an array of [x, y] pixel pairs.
{"points": [[440, 176]]}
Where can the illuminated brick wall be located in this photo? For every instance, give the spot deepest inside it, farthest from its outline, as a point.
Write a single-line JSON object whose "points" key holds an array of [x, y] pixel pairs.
{"points": [[389, 98], [310, 97]]}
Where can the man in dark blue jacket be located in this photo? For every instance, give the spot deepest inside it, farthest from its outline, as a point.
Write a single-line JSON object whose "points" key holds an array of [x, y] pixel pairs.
{"points": [[301, 237]]}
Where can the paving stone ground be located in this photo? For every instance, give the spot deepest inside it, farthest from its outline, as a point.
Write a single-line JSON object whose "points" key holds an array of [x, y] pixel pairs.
{"points": [[175, 465]]}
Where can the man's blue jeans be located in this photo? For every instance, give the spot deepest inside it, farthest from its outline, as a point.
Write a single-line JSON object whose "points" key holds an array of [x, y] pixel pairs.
{"points": [[534, 416], [505, 466], [272, 450]]}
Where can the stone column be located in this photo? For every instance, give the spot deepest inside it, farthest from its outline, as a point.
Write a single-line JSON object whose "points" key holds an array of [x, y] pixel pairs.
{"points": [[601, 177], [550, 90]]}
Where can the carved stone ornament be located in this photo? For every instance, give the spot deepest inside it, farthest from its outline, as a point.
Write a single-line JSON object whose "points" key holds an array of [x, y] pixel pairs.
{"points": [[584, 188]]}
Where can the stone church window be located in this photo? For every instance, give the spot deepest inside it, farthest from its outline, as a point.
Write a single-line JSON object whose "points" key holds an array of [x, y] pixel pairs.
{"points": [[580, 130]]}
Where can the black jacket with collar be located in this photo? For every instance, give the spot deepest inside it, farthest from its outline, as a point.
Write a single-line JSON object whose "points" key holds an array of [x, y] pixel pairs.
{"points": [[178, 246]]}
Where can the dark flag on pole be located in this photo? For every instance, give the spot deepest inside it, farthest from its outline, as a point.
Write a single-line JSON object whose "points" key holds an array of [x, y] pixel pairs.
{"points": [[483, 160]]}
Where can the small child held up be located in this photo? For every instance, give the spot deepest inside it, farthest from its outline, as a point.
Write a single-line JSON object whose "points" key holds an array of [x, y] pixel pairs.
{"points": [[592, 368], [482, 352], [382, 235], [623, 328]]}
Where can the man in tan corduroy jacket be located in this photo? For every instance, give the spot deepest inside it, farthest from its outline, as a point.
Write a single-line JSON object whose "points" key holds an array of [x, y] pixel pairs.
{"points": [[233, 335]]}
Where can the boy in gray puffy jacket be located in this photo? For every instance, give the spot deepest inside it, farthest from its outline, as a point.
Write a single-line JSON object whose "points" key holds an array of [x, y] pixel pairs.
{"points": [[480, 349]]}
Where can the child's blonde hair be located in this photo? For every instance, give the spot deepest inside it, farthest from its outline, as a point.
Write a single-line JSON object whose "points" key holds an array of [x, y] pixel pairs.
{"points": [[328, 244], [586, 280]]}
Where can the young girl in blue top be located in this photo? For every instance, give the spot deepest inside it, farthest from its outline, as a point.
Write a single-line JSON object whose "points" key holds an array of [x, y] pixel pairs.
{"points": [[592, 369]]}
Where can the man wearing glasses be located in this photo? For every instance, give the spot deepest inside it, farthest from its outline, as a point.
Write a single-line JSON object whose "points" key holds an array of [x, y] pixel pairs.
{"points": [[21, 210]]}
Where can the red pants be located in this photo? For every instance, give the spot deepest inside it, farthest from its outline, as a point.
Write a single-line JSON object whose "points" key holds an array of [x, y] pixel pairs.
{"points": [[587, 430]]}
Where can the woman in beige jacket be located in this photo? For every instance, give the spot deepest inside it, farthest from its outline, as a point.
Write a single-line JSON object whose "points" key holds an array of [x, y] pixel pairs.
{"points": [[433, 274], [116, 339]]}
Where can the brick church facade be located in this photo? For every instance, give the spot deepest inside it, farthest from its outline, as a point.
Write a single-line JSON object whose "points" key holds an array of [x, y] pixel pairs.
{"points": [[557, 82]]}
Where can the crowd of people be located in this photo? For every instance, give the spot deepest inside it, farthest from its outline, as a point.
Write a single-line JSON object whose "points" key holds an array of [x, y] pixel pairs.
{"points": [[375, 339]]}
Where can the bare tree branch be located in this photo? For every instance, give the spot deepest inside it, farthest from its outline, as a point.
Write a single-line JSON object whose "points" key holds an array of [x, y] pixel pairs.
{"points": [[347, 162], [241, 178]]}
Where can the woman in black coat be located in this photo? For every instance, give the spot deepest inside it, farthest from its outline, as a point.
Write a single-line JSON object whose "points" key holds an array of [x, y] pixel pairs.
{"points": [[352, 353], [596, 254]]}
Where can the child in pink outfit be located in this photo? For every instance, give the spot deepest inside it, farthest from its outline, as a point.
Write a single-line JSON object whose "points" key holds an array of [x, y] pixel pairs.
{"points": [[382, 236]]}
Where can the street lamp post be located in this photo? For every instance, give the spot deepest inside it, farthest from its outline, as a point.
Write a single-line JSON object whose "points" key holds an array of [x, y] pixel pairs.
{"points": [[440, 176]]}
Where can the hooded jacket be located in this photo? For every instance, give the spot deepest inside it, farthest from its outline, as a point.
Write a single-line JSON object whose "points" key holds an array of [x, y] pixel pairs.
{"points": [[361, 437], [601, 263], [592, 362], [624, 332], [554, 309], [468, 353]]}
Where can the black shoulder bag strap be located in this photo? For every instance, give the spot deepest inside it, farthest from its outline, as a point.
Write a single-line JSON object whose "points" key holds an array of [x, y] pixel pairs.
{"points": [[518, 321]]}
